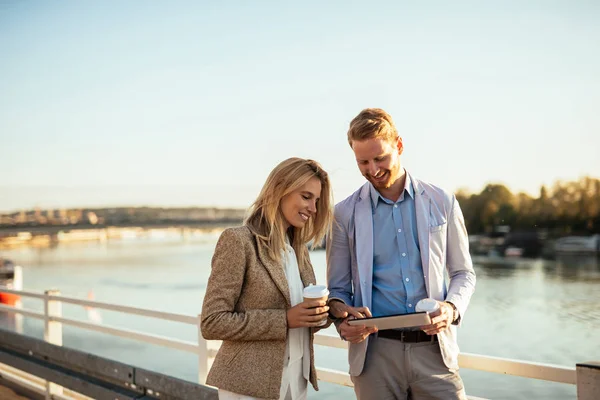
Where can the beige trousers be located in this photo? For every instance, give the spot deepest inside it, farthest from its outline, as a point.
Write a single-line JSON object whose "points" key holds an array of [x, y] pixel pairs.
{"points": [[399, 371]]}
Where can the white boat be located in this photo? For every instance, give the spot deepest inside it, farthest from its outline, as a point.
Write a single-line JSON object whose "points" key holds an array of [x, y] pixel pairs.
{"points": [[578, 244]]}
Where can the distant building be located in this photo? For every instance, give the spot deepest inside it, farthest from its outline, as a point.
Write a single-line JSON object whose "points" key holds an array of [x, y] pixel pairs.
{"points": [[92, 218]]}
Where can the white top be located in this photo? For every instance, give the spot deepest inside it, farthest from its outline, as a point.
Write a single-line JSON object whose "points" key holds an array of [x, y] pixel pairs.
{"points": [[296, 366]]}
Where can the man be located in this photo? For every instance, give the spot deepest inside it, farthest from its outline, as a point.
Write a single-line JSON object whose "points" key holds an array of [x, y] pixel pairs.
{"points": [[391, 242]]}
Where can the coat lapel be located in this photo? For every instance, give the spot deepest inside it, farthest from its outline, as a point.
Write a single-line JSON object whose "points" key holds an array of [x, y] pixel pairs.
{"points": [[364, 244], [422, 209], [275, 269]]}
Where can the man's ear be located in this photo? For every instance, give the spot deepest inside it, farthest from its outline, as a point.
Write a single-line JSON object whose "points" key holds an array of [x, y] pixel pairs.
{"points": [[400, 145]]}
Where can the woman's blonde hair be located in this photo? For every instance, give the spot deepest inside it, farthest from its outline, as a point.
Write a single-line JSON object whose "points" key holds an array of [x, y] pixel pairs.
{"points": [[267, 221]]}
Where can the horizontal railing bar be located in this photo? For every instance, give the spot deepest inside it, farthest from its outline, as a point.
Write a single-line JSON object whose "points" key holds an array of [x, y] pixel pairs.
{"points": [[22, 374], [186, 319], [342, 378], [23, 293], [33, 383], [174, 388], [78, 370], [546, 372], [22, 311], [330, 341], [131, 334], [66, 377], [62, 356], [38, 387], [498, 365], [334, 376]]}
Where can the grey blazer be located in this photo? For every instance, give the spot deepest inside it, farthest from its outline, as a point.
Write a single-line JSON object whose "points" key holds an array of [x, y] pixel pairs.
{"points": [[444, 248]]}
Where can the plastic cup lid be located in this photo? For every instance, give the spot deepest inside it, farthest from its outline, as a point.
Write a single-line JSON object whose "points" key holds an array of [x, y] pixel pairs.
{"points": [[316, 291], [429, 305]]}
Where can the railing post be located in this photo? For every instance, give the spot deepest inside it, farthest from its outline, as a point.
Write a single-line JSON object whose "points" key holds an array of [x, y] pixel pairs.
{"points": [[588, 380], [203, 362], [52, 333]]}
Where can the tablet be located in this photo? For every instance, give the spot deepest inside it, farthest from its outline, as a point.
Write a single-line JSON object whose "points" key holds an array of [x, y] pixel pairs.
{"points": [[412, 320]]}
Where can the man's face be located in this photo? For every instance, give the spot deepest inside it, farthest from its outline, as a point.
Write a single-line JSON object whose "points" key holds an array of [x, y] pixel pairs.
{"points": [[378, 160]]}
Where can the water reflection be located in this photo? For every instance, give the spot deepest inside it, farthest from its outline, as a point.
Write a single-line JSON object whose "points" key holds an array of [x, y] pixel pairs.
{"points": [[574, 267], [568, 267], [494, 271], [158, 286], [503, 268]]}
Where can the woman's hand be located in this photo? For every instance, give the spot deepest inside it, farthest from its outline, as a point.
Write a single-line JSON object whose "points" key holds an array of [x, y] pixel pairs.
{"points": [[307, 314]]}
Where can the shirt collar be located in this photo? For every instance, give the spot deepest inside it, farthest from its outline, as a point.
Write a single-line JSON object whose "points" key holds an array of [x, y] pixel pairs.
{"points": [[408, 188]]}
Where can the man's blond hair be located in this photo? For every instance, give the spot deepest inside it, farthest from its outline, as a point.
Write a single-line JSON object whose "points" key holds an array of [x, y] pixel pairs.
{"points": [[372, 123]]}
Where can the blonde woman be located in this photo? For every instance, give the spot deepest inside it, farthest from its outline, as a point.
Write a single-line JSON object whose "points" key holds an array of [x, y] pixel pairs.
{"points": [[254, 300]]}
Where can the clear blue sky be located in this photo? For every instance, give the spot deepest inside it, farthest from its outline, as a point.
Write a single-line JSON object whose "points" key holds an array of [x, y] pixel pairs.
{"points": [[193, 103]]}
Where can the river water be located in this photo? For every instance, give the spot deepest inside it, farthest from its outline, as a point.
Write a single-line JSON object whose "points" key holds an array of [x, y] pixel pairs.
{"points": [[542, 311]]}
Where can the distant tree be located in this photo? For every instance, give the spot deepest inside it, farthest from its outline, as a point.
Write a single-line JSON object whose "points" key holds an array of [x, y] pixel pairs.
{"points": [[569, 207]]}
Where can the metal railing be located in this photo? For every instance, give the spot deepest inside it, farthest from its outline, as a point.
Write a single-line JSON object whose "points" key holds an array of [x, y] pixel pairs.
{"points": [[94, 376], [206, 350]]}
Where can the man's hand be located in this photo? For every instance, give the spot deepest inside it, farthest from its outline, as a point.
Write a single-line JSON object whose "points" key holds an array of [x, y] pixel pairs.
{"points": [[340, 310], [440, 319], [353, 334]]}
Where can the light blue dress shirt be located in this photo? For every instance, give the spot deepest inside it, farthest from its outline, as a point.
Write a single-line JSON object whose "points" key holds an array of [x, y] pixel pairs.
{"points": [[398, 282]]}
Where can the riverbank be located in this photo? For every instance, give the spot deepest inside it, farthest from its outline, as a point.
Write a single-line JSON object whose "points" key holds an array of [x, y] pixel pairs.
{"points": [[54, 237]]}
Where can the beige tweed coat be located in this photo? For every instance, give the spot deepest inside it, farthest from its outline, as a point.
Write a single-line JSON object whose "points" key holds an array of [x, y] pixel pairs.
{"points": [[245, 306]]}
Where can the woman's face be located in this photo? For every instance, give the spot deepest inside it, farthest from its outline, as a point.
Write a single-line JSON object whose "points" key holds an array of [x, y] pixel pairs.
{"points": [[301, 204]]}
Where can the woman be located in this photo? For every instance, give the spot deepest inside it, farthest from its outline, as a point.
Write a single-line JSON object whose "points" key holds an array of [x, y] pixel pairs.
{"points": [[254, 300]]}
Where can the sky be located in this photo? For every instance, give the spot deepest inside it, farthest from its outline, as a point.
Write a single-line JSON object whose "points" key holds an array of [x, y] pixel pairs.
{"points": [[193, 103]]}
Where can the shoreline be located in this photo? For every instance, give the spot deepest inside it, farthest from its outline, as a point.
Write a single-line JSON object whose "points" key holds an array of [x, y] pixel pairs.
{"points": [[46, 239]]}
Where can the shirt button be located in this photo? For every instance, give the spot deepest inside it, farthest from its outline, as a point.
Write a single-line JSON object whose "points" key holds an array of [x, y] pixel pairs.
{"points": [[399, 230], [403, 254], [395, 205], [410, 305], [407, 279]]}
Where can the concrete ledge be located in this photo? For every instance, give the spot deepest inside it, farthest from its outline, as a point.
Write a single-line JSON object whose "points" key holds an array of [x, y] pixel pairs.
{"points": [[94, 376], [588, 380]]}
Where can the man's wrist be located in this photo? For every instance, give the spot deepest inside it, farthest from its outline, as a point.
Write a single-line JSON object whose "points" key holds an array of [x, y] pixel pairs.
{"points": [[330, 303], [455, 314]]}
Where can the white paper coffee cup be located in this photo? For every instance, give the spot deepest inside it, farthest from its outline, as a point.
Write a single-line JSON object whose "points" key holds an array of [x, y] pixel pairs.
{"points": [[427, 305], [316, 292]]}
